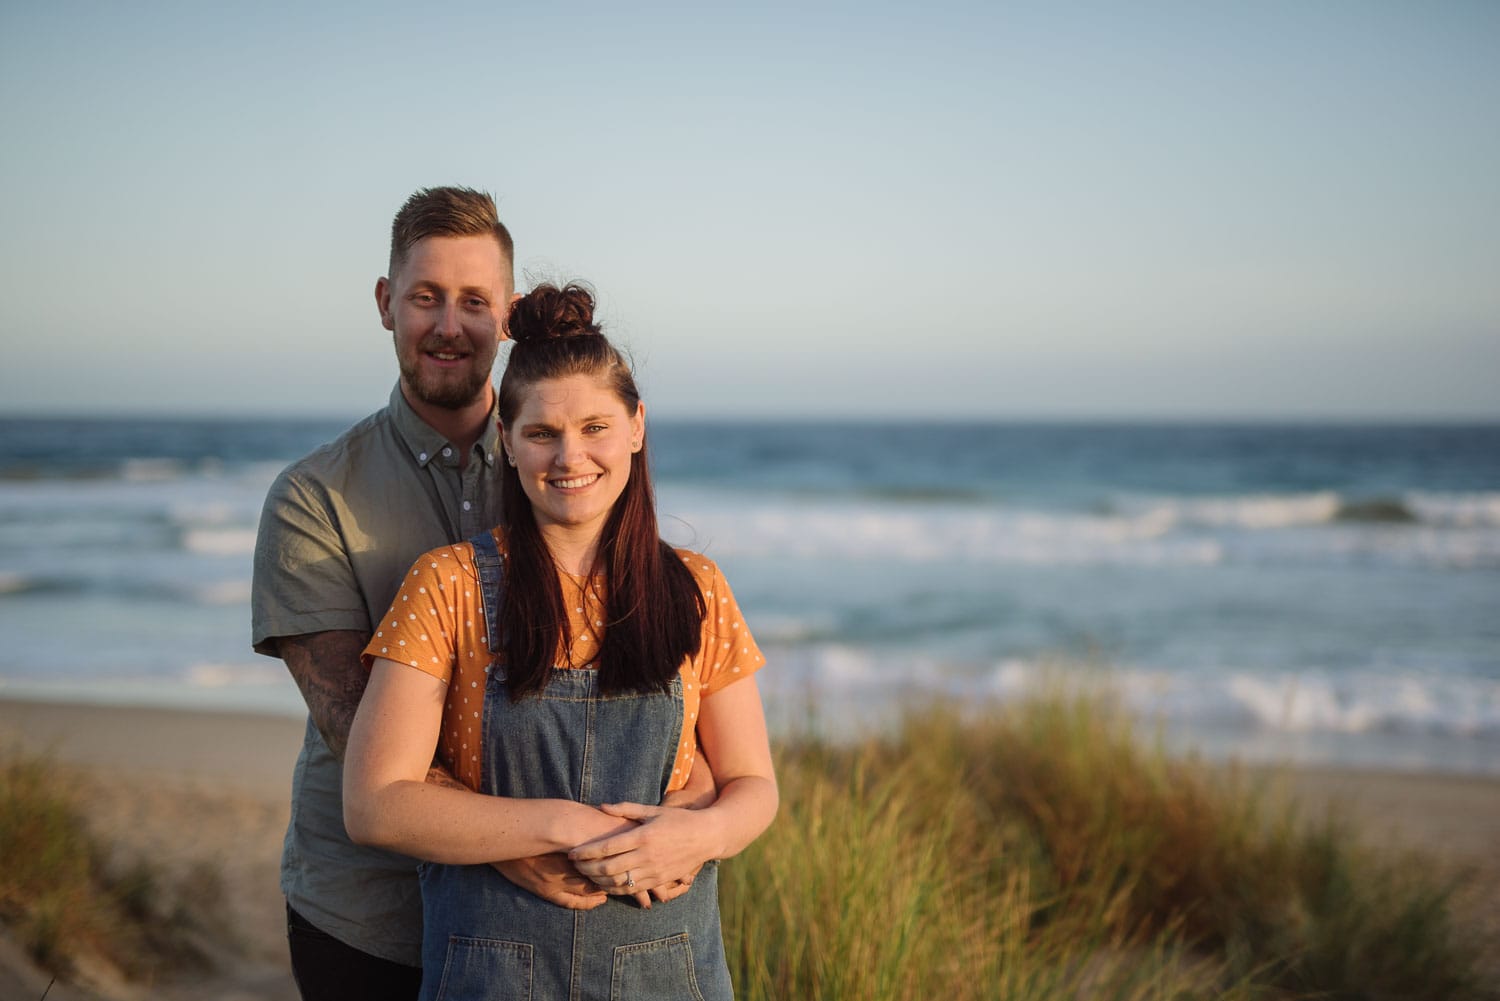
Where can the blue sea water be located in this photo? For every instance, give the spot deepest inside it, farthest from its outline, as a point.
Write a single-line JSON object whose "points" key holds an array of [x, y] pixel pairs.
{"points": [[1319, 592]]}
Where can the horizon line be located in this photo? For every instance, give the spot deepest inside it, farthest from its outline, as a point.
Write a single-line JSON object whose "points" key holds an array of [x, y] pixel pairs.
{"points": [[853, 417]]}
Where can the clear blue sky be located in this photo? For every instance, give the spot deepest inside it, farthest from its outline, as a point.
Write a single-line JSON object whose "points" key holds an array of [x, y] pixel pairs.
{"points": [[1258, 209]]}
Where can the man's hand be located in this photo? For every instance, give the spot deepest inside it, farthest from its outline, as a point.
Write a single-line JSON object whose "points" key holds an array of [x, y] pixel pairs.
{"points": [[555, 880], [327, 668]]}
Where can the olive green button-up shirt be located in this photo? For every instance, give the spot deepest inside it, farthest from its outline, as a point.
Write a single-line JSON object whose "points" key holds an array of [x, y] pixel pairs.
{"points": [[339, 530]]}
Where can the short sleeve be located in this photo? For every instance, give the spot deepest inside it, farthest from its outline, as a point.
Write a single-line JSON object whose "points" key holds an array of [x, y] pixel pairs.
{"points": [[302, 581], [421, 626], [729, 653]]}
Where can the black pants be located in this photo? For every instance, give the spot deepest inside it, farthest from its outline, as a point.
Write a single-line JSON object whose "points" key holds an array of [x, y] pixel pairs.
{"points": [[328, 970]]}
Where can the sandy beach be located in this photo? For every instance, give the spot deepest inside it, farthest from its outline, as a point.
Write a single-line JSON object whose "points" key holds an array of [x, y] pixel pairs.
{"points": [[185, 789], [180, 789]]}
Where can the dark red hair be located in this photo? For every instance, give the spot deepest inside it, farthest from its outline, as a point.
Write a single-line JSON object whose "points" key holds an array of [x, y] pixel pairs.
{"points": [[653, 606]]}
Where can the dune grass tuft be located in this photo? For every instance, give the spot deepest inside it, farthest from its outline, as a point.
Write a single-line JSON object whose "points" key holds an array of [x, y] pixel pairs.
{"points": [[1045, 851], [66, 902]]}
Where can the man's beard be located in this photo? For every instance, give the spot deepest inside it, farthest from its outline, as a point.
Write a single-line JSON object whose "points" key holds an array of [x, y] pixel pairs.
{"points": [[451, 393]]}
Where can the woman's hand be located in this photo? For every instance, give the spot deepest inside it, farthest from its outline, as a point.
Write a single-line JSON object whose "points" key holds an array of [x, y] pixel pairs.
{"points": [[662, 855], [671, 844]]}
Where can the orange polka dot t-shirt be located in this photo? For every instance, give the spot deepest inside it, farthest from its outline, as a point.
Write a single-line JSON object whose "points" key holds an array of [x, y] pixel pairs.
{"points": [[436, 624]]}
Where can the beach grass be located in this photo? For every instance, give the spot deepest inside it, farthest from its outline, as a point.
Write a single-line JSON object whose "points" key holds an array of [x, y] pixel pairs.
{"points": [[1041, 850], [71, 905], [1048, 851]]}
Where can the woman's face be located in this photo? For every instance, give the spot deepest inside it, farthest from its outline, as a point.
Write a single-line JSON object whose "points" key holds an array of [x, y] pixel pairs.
{"points": [[572, 440]]}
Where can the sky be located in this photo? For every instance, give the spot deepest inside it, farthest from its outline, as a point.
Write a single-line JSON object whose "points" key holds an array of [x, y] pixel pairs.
{"points": [[1257, 210]]}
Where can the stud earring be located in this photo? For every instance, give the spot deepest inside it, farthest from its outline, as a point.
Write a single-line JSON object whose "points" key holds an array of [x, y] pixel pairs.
{"points": [[510, 458]]}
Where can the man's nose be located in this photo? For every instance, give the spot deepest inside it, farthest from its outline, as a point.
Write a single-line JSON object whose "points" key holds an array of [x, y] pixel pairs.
{"points": [[448, 324]]}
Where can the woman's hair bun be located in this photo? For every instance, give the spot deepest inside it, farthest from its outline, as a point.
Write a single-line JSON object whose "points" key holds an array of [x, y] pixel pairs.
{"points": [[549, 311]]}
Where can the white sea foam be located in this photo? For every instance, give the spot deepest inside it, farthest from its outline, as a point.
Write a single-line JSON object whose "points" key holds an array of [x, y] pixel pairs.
{"points": [[1294, 529], [1367, 702], [1255, 512], [224, 592], [938, 533], [1469, 510], [209, 511], [219, 541], [1011, 678]]}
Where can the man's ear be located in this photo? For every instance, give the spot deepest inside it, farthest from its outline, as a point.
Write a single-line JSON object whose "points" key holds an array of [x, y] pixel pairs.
{"points": [[515, 297], [383, 303]]}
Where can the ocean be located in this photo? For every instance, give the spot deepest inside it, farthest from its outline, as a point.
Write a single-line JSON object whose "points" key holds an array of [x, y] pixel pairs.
{"points": [[1311, 593]]}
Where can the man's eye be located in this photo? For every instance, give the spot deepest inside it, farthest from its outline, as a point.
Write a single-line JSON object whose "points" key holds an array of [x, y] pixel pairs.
{"points": [[597, 427]]}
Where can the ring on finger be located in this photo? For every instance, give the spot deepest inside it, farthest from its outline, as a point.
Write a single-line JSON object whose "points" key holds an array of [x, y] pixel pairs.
{"points": [[629, 879]]}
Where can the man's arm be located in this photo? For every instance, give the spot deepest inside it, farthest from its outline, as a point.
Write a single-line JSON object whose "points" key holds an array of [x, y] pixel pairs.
{"points": [[700, 791], [331, 677], [328, 671]]}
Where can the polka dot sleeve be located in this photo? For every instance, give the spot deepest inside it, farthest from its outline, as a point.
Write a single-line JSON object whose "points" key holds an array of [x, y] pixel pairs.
{"points": [[729, 652], [420, 628]]}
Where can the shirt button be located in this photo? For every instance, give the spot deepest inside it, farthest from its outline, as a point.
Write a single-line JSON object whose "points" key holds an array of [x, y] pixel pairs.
{"points": [[422, 457], [466, 505], [447, 452]]}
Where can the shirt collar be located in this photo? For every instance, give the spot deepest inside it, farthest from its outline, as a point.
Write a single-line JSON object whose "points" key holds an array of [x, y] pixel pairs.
{"points": [[425, 444]]}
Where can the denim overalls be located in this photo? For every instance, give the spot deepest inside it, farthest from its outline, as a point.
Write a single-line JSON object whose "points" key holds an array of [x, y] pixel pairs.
{"points": [[484, 937]]}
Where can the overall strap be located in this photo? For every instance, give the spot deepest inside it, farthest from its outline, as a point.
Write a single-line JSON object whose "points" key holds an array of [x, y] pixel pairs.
{"points": [[491, 567]]}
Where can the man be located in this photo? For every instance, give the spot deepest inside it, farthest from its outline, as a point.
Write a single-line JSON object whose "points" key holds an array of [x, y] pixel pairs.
{"points": [[338, 532]]}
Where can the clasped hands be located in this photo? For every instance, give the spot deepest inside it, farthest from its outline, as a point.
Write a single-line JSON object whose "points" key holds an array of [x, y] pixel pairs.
{"points": [[659, 848]]}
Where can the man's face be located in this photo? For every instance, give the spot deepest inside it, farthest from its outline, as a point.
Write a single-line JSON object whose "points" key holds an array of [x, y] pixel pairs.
{"points": [[446, 309]]}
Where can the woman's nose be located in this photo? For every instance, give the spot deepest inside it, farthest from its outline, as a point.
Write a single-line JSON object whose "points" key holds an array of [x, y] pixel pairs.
{"points": [[569, 450]]}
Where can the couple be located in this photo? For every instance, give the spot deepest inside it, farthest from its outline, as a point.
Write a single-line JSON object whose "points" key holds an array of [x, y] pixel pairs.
{"points": [[548, 684]]}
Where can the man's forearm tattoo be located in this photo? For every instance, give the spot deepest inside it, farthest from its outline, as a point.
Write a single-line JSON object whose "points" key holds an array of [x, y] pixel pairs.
{"points": [[327, 669]]}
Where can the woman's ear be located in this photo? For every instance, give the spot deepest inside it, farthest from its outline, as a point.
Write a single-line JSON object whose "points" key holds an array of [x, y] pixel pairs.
{"points": [[509, 456]]}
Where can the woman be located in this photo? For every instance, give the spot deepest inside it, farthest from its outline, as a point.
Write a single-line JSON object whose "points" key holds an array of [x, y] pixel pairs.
{"points": [[566, 668]]}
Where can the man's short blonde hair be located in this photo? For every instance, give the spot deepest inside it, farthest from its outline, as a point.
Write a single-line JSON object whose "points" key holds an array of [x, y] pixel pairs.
{"points": [[448, 211]]}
